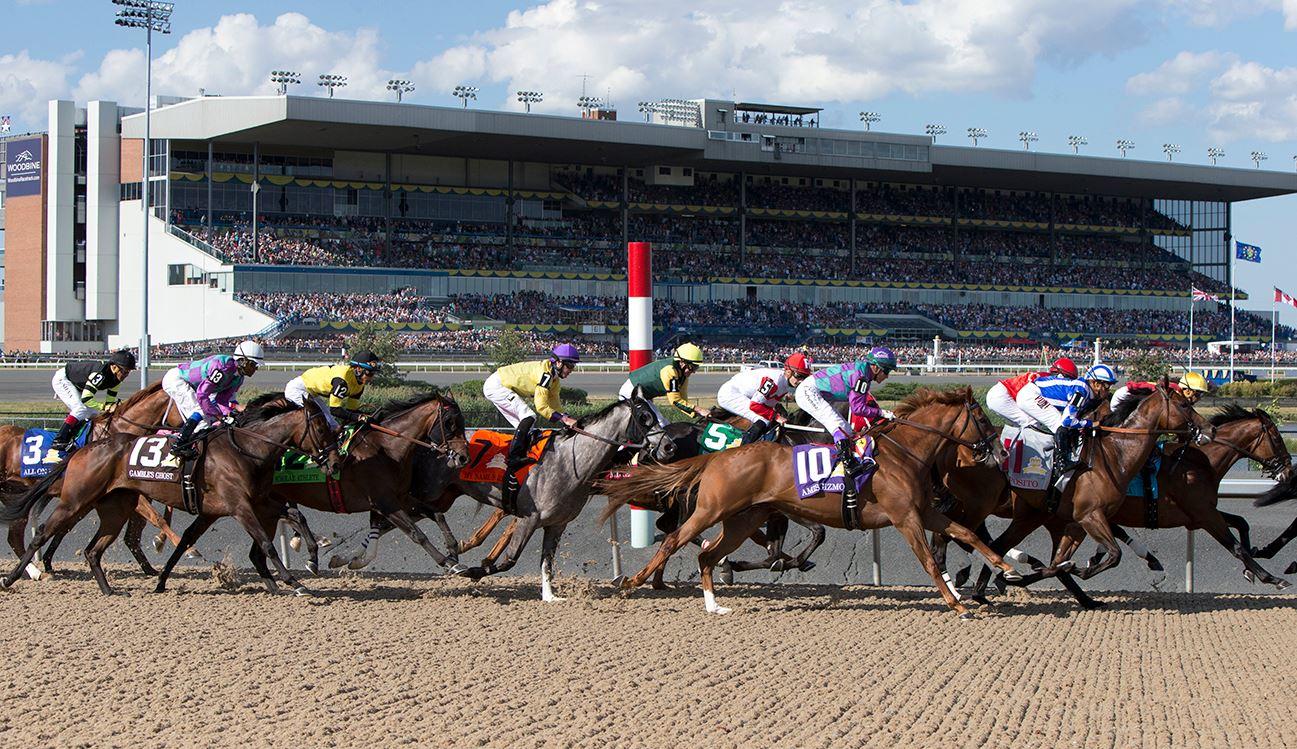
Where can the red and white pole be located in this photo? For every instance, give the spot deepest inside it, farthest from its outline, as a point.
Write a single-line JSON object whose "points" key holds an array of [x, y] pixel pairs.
{"points": [[639, 333]]}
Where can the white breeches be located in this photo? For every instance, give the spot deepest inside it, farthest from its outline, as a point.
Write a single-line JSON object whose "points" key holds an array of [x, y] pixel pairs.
{"points": [[296, 392], [71, 397], [1047, 416], [808, 399], [509, 403], [999, 401]]}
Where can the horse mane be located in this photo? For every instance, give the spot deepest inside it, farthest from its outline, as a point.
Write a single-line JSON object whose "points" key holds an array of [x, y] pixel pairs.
{"points": [[134, 399], [397, 407], [1127, 406], [924, 397], [266, 406], [1232, 412], [601, 413]]}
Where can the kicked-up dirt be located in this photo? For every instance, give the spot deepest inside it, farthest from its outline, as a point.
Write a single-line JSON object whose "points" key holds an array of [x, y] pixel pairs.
{"points": [[385, 660]]}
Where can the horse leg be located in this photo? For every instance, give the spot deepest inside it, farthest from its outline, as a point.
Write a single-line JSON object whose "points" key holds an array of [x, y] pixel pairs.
{"points": [[294, 518], [803, 561], [402, 520], [378, 526], [501, 544], [734, 530], [1275, 546], [258, 559], [549, 546], [1096, 524], [1019, 528], [481, 534], [47, 556], [113, 511], [160, 540], [935, 521], [191, 534], [261, 526], [447, 535], [523, 529], [1239, 524], [696, 523], [1141, 550], [134, 533], [910, 525], [144, 508], [1211, 521]]}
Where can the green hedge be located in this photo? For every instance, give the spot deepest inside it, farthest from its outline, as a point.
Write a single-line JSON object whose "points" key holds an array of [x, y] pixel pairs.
{"points": [[1259, 389]]}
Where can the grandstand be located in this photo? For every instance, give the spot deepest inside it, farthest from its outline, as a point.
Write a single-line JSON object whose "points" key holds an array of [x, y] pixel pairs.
{"points": [[447, 224]]}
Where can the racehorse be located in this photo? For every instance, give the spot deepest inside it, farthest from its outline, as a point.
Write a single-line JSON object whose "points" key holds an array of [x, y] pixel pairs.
{"points": [[234, 480], [556, 490], [1188, 483], [740, 488], [379, 469], [1121, 446], [140, 414]]}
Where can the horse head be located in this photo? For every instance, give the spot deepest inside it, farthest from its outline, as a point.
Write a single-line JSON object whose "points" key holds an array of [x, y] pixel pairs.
{"points": [[1179, 415], [447, 432], [657, 446]]}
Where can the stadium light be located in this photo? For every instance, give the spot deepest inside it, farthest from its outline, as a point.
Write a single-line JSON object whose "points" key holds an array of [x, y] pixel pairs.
{"points": [[1215, 152], [678, 110], [587, 103], [1170, 149], [870, 118], [1258, 157], [933, 130], [648, 108], [530, 97], [400, 87], [975, 134], [282, 78], [1125, 145], [1028, 137], [1076, 141], [464, 93], [151, 16], [331, 81]]}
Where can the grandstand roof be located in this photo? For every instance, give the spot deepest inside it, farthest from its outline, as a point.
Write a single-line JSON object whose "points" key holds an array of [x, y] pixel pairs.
{"points": [[312, 122]]}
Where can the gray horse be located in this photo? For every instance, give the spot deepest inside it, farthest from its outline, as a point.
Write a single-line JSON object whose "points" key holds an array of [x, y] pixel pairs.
{"points": [[557, 490]]}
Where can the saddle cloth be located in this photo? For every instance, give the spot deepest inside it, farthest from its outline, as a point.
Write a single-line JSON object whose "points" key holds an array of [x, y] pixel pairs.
{"points": [[488, 451], [1030, 463], [36, 442], [1151, 468], [817, 471], [717, 437], [150, 459], [297, 468]]}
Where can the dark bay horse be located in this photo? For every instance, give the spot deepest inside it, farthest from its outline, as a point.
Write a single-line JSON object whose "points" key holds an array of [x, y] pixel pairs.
{"points": [[740, 488], [235, 480], [137, 415]]}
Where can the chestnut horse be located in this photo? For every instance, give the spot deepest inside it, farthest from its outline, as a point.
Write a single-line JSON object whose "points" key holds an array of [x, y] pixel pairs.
{"points": [[740, 488], [239, 463], [141, 413]]}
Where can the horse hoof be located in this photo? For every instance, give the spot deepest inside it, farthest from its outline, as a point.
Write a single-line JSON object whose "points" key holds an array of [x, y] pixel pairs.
{"points": [[806, 566], [1012, 576], [312, 567], [457, 569], [718, 610], [1155, 566], [301, 592], [158, 542], [1281, 584], [779, 566], [336, 561], [961, 577], [1092, 605], [967, 615], [619, 581], [1251, 578], [472, 573], [1290, 569], [33, 571], [323, 542], [1067, 566], [295, 543]]}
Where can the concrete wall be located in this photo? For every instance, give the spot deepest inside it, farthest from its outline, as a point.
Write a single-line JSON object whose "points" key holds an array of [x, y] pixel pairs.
{"points": [[176, 313], [61, 302], [103, 177]]}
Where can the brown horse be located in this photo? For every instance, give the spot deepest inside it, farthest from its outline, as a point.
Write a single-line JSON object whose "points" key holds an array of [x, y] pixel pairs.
{"points": [[141, 413], [235, 478], [379, 470], [1188, 486], [1123, 442], [740, 488]]}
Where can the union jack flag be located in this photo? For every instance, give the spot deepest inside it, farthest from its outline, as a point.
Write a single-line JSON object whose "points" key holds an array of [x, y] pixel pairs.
{"points": [[1202, 296], [4, 124]]}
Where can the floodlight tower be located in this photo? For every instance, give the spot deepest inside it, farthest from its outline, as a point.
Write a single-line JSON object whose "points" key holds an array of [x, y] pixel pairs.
{"points": [[934, 129], [1258, 157], [870, 118], [464, 93], [1215, 152], [1125, 145], [648, 109], [1170, 149], [281, 78], [401, 87], [588, 103], [1028, 137], [976, 133], [151, 16], [530, 97], [1076, 141], [331, 81]]}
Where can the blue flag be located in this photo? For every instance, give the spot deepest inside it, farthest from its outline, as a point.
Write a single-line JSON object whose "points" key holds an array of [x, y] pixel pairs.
{"points": [[1248, 252]]}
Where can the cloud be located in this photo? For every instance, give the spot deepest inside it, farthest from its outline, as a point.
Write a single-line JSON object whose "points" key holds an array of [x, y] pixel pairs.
{"points": [[27, 84], [1164, 111], [827, 51], [1178, 75], [1218, 13], [235, 57], [1235, 99]]}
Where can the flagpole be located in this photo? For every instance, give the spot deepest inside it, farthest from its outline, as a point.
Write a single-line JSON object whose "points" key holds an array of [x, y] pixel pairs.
{"points": [[1192, 304], [1274, 313], [1233, 284]]}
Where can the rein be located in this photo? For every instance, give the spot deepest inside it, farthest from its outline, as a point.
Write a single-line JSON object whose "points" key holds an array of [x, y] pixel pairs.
{"points": [[392, 433]]}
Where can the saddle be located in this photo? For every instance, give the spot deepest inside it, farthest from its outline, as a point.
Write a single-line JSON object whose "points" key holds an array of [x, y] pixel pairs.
{"points": [[151, 459]]}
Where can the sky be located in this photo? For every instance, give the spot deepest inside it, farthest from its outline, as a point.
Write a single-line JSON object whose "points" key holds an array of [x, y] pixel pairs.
{"points": [[1195, 73]]}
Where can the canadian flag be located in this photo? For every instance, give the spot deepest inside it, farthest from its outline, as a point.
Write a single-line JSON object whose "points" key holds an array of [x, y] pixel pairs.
{"points": [[1280, 296]]}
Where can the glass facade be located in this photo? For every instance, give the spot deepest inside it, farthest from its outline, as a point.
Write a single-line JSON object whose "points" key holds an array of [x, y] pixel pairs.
{"points": [[1206, 246]]}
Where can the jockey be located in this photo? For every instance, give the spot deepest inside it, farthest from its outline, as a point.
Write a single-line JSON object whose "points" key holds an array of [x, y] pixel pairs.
{"points": [[1192, 386], [337, 387], [1056, 404], [509, 388], [204, 390], [755, 393], [849, 382], [76, 384], [670, 378], [1002, 397]]}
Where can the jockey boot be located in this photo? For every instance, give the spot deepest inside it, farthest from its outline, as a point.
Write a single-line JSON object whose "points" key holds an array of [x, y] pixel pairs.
{"points": [[755, 432], [1065, 440], [63, 440], [184, 445], [515, 461], [850, 470]]}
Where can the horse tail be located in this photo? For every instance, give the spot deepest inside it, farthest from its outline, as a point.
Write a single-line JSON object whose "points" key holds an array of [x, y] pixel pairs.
{"points": [[667, 481], [1278, 493], [18, 508]]}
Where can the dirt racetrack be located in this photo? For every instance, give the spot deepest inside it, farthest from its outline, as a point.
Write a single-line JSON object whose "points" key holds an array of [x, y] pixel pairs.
{"points": [[382, 660]]}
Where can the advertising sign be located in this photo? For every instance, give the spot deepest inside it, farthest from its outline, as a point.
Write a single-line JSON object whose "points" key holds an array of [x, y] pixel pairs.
{"points": [[23, 162]]}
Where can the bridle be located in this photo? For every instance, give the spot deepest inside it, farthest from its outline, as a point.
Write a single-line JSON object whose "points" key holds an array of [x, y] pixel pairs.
{"points": [[318, 456], [1270, 467], [1193, 431]]}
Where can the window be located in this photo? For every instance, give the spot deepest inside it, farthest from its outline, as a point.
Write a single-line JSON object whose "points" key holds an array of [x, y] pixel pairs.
{"points": [[688, 172], [664, 171]]}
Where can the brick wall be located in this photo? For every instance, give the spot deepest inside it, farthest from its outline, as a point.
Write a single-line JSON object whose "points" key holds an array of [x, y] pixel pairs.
{"points": [[24, 306], [132, 155]]}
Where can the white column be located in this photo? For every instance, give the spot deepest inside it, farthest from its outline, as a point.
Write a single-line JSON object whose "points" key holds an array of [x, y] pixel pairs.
{"points": [[61, 302], [103, 187]]}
